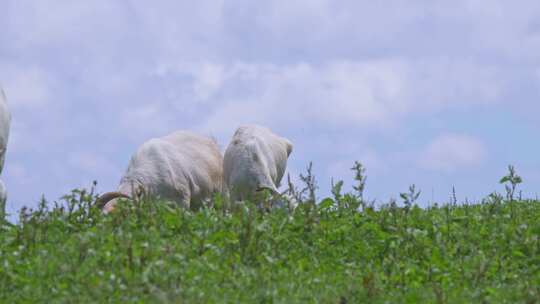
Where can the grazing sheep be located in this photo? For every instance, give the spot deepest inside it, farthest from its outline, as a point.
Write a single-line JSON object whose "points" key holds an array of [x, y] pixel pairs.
{"points": [[5, 121], [182, 167], [255, 160]]}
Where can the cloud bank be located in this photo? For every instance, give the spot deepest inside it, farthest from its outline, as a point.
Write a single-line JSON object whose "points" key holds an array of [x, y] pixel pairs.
{"points": [[389, 84]]}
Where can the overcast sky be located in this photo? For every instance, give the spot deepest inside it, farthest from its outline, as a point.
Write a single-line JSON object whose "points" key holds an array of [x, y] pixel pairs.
{"points": [[435, 93]]}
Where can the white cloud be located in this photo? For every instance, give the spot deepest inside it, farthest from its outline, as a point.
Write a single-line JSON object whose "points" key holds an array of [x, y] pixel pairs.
{"points": [[451, 152], [113, 74], [208, 79], [343, 93], [370, 94]]}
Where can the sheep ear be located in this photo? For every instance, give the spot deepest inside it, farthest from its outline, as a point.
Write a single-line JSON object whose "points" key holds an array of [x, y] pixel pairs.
{"points": [[109, 196]]}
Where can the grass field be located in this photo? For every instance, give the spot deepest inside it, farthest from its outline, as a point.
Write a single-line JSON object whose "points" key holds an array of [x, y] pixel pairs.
{"points": [[339, 250]]}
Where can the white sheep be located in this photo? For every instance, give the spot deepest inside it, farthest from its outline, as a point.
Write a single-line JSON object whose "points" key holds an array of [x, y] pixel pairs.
{"points": [[255, 160], [182, 167], [5, 121]]}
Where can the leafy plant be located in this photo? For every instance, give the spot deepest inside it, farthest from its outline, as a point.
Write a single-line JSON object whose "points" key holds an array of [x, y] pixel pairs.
{"points": [[310, 184], [409, 198], [360, 178], [336, 189], [150, 251], [511, 181]]}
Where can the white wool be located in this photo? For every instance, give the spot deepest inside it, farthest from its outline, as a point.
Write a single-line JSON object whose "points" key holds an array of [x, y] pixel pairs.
{"points": [[5, 121], [182, 167], [255, 159]]}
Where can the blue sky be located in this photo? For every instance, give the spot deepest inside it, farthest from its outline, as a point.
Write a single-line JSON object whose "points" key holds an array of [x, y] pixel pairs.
{"points": [[434, 93]]}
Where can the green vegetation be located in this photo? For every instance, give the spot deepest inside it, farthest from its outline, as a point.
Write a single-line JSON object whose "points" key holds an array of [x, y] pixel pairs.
{"points": [[341, 250]]}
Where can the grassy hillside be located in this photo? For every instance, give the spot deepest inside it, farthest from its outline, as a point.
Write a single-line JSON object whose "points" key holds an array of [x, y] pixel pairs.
{"points": [[338, 251]]}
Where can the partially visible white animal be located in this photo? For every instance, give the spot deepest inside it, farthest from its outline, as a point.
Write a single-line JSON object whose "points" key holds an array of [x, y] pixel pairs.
{"points": [[182, 167], [255, 160], [5, 121]]}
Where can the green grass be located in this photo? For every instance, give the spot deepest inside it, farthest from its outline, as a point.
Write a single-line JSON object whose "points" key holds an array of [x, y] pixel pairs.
{"points": [[326, 253]]}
